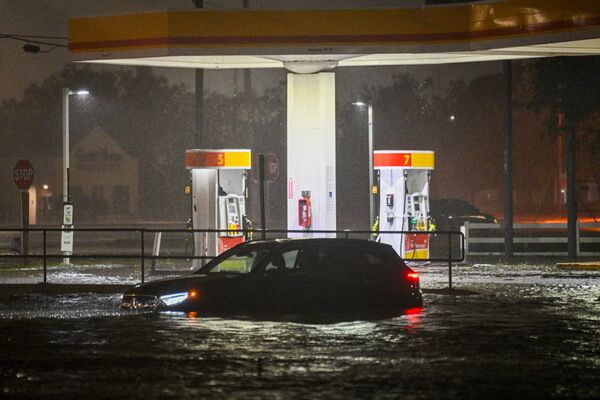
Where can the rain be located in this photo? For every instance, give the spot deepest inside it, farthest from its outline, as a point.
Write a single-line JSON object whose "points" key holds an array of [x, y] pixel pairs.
{"points": [[496, 322]]}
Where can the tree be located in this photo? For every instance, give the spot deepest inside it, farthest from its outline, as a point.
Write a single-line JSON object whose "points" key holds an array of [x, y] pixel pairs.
{"points": [[149, 117], [567, 89]]}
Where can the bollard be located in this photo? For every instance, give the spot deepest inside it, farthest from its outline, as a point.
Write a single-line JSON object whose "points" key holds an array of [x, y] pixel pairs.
{"points": [[45, 257]]}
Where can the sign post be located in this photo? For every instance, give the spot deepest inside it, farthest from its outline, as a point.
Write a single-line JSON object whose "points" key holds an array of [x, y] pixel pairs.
{"points": [[23, 174], [271, 168], [66, 237], [268, 171]]}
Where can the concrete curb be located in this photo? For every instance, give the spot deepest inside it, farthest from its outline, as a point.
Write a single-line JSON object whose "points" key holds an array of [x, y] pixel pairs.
{"points": [[580, 266]]}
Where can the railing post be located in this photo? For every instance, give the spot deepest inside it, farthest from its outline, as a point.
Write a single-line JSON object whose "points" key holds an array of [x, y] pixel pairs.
{"points": [[577, 240], [156, 249], [45, 258], [143, 254], [463, 248], [449, 260]]}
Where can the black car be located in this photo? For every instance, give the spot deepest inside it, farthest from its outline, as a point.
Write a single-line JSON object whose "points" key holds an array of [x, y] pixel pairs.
{"points": [[451, 214], [289, 277]]}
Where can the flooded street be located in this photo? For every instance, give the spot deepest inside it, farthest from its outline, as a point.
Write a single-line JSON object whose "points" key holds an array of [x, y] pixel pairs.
{"points": [[530, 332]]}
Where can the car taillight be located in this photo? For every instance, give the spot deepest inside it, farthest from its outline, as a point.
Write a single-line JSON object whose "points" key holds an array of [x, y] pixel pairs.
{"points": [[411, 276], [413, 311]]}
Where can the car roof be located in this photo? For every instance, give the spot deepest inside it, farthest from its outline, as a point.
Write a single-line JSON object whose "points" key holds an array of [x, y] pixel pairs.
{"points": [[323, 241]]}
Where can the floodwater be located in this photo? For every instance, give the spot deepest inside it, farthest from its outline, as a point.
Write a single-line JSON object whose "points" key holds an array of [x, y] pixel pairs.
{"points": [[531, 332]]}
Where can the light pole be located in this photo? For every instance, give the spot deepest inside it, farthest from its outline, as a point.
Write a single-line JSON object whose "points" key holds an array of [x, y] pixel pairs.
{"points": [[67, 237], [370, 126]]}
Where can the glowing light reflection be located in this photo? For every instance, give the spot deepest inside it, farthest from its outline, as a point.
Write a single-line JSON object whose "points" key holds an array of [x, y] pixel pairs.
{"points": [[413, 315]]}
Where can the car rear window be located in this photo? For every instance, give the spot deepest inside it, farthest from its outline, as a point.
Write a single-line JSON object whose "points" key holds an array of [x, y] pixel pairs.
{"points": [[335, 258], [328, 258], [375, 260]]}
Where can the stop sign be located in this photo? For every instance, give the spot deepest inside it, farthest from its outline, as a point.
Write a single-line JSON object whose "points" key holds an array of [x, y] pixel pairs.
{"points": [[23, 174]]}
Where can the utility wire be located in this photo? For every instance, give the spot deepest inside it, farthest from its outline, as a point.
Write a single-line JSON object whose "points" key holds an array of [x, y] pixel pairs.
{"points": [[21, 39], [34, 36]]}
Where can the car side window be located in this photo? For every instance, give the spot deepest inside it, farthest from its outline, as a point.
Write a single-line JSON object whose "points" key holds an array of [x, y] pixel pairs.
{"points": [[308, 260], [283, 262], [289, 259]]}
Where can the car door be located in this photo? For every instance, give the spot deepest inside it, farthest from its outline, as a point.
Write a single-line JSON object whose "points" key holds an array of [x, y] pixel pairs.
{"points": [[301, 280], [281, 283]]}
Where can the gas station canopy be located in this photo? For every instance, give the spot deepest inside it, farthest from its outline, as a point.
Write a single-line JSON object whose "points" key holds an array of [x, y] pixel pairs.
{"points": [[307, 41]]}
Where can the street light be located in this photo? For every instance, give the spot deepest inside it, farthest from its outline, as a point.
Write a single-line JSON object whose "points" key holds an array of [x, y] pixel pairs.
{"points": [[65, 98], [370, 125]]}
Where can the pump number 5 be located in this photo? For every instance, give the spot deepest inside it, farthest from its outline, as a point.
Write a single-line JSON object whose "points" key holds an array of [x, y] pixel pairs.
{"points": [[220, 159]]}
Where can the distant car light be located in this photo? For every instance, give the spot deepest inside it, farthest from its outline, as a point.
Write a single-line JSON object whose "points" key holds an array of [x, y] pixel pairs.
{"points": [[175, 298]]}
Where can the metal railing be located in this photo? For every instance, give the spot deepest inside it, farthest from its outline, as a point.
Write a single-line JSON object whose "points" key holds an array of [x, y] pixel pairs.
{"points": [[145, 233], [549, 238]]}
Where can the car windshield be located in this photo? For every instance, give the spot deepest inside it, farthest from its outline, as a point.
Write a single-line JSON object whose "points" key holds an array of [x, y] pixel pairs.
{"points": [[240, 260]]}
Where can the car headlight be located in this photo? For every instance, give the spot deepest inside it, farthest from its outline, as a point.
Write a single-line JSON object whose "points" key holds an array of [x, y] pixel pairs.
{"points": [[175, 298]]}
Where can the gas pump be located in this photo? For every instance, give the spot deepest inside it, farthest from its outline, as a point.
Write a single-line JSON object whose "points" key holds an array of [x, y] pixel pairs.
{"points": [[404, 178], [417, 211], [232, 211], [218, 198]]}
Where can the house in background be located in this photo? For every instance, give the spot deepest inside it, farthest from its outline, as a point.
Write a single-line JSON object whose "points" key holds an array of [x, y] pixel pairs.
{"points": [[105, 179], [104, 184]]}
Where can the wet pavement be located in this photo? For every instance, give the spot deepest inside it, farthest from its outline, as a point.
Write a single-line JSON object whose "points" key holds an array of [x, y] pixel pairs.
{"points": [[530, 332]]}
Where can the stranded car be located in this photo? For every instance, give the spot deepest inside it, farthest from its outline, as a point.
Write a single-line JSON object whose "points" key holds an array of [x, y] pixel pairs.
{"points": [[451, 214], [289, 277]]}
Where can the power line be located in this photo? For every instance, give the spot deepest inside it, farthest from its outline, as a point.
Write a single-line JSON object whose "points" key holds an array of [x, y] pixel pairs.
{"points": [[35, 36], [22, 39]]}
